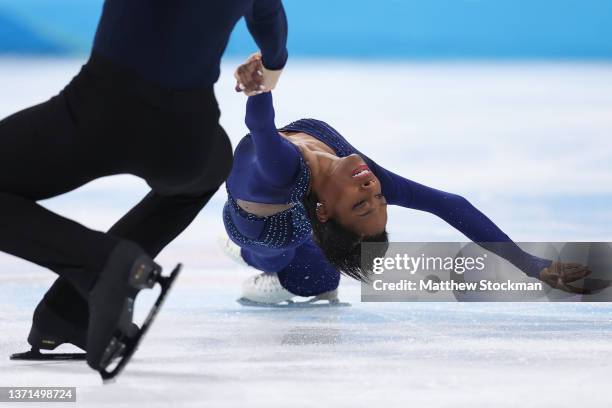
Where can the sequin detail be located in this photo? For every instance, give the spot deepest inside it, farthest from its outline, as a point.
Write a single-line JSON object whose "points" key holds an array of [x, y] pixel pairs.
{"points": [[291, 227], [286, 229], [302, 181]]}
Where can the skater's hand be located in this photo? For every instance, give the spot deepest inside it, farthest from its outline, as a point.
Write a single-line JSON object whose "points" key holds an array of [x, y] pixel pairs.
{"points": [[559, 274], [253, 78]]}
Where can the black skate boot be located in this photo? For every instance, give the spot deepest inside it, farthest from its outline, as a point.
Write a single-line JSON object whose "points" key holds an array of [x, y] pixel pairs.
{"points": [[112, 336], [50, 330]]}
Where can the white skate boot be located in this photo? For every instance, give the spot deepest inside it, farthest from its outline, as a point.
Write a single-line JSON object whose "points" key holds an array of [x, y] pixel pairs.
{"points": [[266, 290]]}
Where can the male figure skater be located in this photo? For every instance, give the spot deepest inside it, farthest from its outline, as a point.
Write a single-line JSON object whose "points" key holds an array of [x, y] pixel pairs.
{"points": [[144, 105]]}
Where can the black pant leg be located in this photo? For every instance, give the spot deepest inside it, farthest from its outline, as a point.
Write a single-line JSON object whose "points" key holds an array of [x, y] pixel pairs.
{"points": [[41, 156], [153, 223], [175, 202], [105, 123], [195, 155], [157, 220]]}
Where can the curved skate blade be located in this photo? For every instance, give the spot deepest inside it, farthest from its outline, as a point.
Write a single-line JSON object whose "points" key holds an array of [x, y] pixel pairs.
{"points": [[292, 305], [123, 346], [34, 355]]}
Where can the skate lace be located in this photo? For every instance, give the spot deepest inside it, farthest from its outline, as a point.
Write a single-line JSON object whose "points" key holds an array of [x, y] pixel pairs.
{"points": [[267, 282]]}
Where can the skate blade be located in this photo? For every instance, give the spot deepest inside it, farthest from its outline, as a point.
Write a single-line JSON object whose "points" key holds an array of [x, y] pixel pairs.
{"points": [[125, 347], [293, 305], [34, 355]]}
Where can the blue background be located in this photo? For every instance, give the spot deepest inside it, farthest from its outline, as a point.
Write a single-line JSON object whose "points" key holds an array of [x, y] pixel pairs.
{"points": [[426, 29]]}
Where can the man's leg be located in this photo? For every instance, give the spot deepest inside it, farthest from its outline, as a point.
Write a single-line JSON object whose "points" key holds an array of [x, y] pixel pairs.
{"points": [[157, 220], [152, 223], [41, 156], [58, 146]]}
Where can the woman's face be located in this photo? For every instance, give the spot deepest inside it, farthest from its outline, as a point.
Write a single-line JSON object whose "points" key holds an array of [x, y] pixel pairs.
{"points": [[352, 196]]}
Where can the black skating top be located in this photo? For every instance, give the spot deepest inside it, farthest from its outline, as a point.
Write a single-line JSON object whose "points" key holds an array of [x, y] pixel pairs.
{"points": [[179, 43]]}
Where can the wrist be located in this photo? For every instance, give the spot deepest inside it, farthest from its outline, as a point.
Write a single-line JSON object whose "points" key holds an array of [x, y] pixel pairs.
{"points": [[270, 78]]}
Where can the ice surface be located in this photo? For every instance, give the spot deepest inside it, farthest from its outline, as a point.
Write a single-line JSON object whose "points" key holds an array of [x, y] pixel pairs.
{"points": [[527, 144]]}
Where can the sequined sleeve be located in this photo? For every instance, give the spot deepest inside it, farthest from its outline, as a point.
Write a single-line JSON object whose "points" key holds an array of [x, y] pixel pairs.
{"points": [[459, 213]]}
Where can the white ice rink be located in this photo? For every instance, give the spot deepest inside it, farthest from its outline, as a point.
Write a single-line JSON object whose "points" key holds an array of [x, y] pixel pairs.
{"points": [[529, 145]]}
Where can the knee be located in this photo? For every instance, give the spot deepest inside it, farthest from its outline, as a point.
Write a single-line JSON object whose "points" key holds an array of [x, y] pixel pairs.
{"points": [[203, 170], [215, 166], [309, 284], [223, 159], [330, 282]]}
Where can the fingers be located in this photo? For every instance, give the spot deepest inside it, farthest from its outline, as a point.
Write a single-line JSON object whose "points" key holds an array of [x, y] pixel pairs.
{"points": [[572, 265], [559, 274], [557, 283], [567, 272], [253, 78], [574, 273], [249, 77], [254, 57]]}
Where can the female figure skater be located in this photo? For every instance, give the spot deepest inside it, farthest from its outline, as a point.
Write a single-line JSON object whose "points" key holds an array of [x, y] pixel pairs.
{"points": [[301, 199]]}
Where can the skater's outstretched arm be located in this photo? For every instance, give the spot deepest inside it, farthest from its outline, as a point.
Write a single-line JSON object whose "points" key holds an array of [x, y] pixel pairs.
{"points": [[277, 160], [267, 24], [461, 214]]}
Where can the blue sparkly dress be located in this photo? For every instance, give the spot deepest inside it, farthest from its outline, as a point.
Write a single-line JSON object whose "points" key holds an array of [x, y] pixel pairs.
{"points": [[269, 169]]}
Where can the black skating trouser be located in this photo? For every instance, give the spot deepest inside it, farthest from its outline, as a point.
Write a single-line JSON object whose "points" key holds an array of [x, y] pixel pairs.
{"points": [[106, 122]]}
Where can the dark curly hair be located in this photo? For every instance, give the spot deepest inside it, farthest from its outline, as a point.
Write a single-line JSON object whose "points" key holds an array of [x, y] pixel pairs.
{"points": [[342, 247]]}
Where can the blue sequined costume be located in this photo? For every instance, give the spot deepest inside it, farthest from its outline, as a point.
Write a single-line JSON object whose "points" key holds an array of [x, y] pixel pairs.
{"points": [[269, 169]]}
